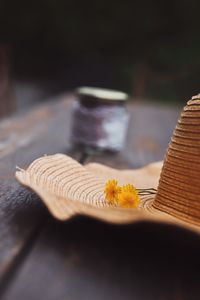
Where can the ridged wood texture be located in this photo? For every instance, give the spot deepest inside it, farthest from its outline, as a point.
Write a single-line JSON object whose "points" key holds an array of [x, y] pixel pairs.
{"points": [[179, 186]]}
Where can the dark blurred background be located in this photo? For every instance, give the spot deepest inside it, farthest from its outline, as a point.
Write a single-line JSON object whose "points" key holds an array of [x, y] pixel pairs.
{"points": [[150, 49]]}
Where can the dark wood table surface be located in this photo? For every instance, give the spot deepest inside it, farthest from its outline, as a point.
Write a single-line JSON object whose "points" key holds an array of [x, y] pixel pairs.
{"points": [[42, 258]]}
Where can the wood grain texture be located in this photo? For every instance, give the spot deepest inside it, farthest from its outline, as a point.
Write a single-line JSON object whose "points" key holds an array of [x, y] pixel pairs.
{"points": [[86, 259], [22, 139]]}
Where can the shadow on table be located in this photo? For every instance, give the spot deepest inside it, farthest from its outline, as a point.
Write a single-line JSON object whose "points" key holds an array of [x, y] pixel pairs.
{"points": [[86, 259]]}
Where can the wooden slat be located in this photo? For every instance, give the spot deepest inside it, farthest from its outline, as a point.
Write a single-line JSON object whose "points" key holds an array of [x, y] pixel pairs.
{"points": [[44, 130], [86, 259]]}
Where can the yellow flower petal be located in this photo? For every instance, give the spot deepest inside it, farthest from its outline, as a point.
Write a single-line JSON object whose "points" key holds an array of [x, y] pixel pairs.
{"points": [[111, 191], [129, 188], [128, 199]]}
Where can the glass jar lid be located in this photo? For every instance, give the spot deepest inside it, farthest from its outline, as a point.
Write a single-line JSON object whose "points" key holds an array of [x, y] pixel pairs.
{"points": [[101, 94]]}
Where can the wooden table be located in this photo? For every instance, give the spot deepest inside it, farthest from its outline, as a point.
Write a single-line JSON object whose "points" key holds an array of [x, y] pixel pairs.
{"points": [[41, 258]]}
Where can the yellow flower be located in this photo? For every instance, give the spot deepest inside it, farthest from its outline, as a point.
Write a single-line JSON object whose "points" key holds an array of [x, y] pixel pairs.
{"points": [[111, 191], [129, 188], [128, 197]]}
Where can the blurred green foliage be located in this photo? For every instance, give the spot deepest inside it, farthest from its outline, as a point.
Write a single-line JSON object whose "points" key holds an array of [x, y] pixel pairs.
{"points": [[152, 46]]}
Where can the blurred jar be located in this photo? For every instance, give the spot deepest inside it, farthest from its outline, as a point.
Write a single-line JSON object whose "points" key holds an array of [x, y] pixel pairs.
{"points": [[100, 119]]}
